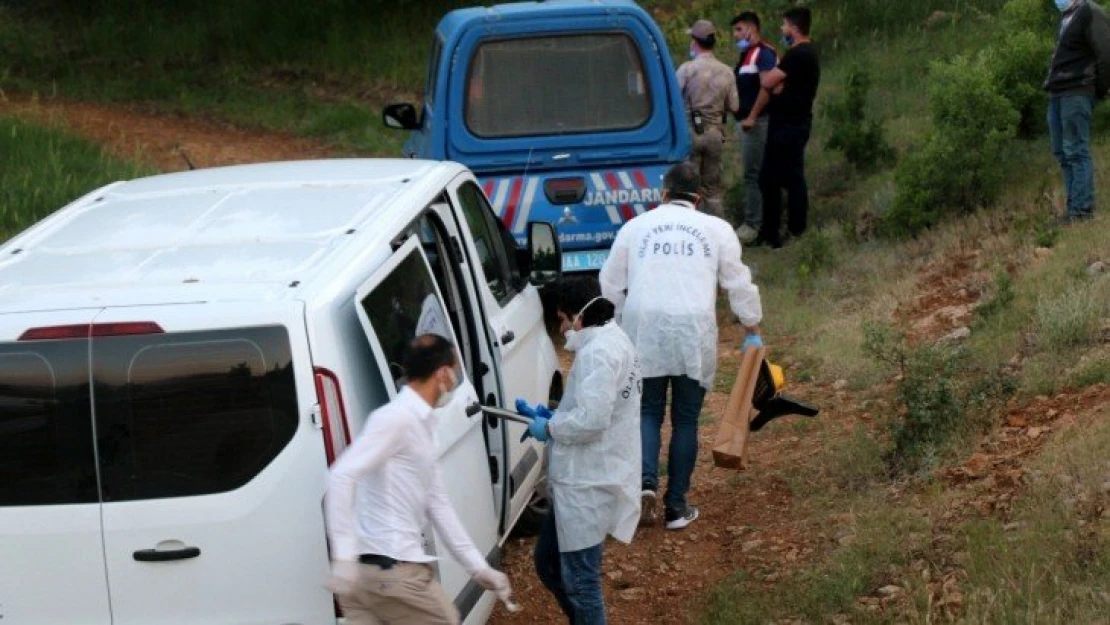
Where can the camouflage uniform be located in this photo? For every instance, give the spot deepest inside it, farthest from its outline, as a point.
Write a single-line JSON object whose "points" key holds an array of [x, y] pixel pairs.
{"points": [[708, 87]]}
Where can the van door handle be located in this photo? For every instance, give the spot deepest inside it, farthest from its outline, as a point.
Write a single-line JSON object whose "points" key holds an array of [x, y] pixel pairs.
{"points": [[508, 337], [158, 555], [473, 409]]}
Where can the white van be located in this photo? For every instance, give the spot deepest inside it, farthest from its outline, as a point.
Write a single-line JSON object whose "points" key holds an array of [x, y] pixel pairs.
{"points": [[181, 357]]}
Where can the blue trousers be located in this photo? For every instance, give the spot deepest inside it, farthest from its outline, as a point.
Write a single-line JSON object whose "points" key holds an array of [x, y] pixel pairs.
{"points": [[687, 397], [574, 577], [1069, 126]]}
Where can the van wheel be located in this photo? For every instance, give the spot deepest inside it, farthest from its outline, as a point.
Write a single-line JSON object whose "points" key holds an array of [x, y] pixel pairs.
{"points": [[531, 520]]}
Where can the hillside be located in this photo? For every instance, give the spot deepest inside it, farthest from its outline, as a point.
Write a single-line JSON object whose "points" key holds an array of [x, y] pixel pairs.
{"points": [[960, 469]]}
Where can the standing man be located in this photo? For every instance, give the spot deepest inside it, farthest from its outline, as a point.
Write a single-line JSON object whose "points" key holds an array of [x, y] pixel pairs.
{"points": [[793, 86], [708, 90], [1079, 73], [664, 270], [593, 451], [756, 60], [381, 493]]}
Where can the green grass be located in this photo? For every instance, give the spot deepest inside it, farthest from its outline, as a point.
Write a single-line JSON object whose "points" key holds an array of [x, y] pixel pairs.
{"points": [[45, 168]]}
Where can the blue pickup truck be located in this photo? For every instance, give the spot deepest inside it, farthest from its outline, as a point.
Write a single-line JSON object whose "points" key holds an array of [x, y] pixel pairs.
{"points": [[568, 111]]}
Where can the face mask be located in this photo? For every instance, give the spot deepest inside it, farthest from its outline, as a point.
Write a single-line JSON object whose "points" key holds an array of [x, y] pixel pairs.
{"points": [[446, 394], [693, 52], [788, 40], [743, 45], [1063, 4], [574, 337]]}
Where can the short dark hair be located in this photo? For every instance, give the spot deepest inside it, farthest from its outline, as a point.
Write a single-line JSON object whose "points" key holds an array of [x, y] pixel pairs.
{"points": [[799, 17], [707, 43], [747, 17], [426, 354], [682, 181], [574, 292]]}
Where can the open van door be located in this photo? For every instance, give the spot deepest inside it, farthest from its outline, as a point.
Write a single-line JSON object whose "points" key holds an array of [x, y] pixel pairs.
{"points": [[399, 302], [51, 551]]}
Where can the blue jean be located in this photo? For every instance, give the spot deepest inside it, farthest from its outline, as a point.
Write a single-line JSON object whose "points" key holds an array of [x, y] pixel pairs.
{"points": [[1069, 126], [574, 577], [687, 396], [753, 145]]}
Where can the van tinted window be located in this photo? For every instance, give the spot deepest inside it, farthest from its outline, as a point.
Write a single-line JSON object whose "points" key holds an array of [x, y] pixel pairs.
{"points": [[191, 413], [405, 305], [46, 443], [556, 85], [495, 246]]}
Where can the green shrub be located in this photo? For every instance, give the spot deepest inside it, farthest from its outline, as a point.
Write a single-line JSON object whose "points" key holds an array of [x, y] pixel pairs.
{"points": [[962, 163], [1019, 61], [1036, 16], [859, 138], [815, 253], [931, 409]]}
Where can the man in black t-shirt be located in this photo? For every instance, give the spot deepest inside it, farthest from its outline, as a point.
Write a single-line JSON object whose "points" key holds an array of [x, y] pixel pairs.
{"points": [[793, 86]]}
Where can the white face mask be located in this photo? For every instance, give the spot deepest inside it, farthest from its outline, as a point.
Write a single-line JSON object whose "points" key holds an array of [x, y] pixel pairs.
{"points": [[574, 337], [447, 394]]}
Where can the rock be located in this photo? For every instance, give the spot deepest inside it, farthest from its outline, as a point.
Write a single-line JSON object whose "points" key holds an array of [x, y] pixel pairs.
{"points": [[1017, 421], [1034, 433], [615, 575], [847, 541], [890, 590], [631, 594], [751, 545], [840, 385], [1096, 268], [959, 334], [1042, 252], [936, 18]]}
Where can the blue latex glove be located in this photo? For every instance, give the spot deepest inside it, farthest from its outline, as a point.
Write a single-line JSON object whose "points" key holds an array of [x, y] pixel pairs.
{"points": [[523, 408], [539, 410], [536, 429], [752, 340]]}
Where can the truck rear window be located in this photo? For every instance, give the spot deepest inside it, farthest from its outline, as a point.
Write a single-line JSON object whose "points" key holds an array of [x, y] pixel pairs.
{"points": [[46, 441], [556, 85]]}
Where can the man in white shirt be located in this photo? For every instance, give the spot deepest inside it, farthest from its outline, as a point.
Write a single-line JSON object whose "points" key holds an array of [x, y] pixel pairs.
{"points": [[663, 273], [381, 493]]}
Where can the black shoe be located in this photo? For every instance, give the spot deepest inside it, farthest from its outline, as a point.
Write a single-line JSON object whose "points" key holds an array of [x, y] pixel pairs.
{"points": [[679, 519]]}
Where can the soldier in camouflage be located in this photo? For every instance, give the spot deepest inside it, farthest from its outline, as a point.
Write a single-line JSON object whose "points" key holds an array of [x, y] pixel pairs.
{"points": [[708, 90]]}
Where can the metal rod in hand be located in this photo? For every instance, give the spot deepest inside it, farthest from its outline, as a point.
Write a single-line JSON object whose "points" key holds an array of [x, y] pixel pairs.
{"points": [[506, 415]]}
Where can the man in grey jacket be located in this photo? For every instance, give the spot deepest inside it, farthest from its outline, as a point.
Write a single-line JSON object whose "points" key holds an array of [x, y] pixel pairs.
{"points": [[1078, 76]]}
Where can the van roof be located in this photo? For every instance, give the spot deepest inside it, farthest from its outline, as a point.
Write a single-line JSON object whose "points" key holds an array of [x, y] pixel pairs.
{"points": [[247, 232], [460, 18]]}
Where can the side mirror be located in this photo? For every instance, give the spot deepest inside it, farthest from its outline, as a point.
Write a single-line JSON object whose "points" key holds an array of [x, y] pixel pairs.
{"points": [[400, 117], [546, 257]]}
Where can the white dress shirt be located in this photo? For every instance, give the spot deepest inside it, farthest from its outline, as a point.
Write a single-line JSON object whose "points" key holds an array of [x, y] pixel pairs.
{"points": [[386, 486]]}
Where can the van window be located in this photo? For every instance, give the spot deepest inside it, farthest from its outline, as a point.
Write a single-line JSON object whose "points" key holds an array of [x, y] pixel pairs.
{"points": [[495, 246], [433, 70], [556, 85], [46, 442], [403, 306], [191, 413]]}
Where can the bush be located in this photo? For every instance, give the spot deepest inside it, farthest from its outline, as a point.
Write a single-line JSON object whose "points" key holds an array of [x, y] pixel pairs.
{"points": [[961, 165], [1018, 62], [815, 253], [931, 410], [1036, 16], [860, 139]]}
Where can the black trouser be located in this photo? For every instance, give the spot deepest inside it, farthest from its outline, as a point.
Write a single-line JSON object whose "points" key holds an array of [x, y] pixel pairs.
{"points": [[784, 167]]}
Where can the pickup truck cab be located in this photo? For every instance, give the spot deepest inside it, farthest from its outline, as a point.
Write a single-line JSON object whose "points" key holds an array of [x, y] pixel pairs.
{"points": [[568, 111], [182, 356]]}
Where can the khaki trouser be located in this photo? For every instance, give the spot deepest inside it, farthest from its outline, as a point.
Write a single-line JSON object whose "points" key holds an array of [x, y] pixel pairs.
{"points": [[406, 594], [706, 156]]}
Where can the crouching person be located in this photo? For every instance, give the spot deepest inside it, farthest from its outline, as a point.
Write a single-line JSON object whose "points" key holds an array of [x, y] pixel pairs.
{"points": [[593, 452]]}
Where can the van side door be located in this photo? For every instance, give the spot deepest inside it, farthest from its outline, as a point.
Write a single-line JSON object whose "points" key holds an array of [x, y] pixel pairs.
{"points": [[399, 302], [527, 362]]}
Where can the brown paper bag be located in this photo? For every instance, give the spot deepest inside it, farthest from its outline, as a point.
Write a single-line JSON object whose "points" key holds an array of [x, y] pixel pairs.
{"points": [[730, 449]]}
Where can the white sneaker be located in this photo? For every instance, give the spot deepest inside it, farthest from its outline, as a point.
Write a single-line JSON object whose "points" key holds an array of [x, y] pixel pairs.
{"points": [[677, 522], [647, 507], [746, 234]]}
